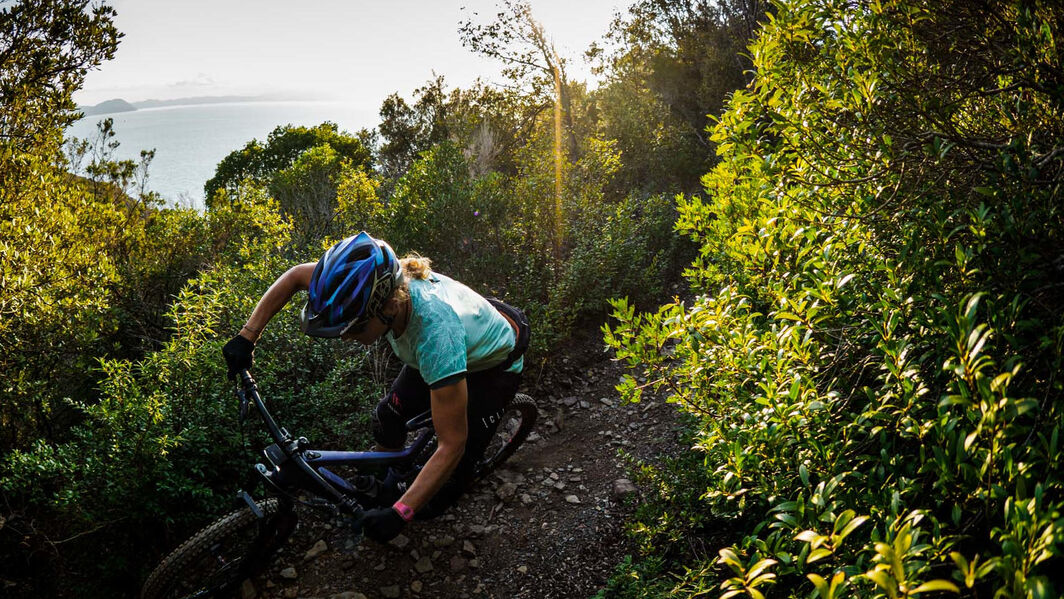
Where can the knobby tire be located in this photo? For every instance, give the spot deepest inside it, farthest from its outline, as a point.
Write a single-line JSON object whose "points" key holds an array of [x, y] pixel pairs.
{"points": [[517, 422], [219, 558]]}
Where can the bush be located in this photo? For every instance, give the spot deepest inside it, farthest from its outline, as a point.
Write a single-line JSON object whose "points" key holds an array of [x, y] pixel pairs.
{"points": [[302, 168], [872, 348], [159, 450], [622, 247]]}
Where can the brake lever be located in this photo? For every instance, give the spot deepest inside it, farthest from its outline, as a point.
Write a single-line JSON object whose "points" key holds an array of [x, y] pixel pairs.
{"points": [[243, 405]]}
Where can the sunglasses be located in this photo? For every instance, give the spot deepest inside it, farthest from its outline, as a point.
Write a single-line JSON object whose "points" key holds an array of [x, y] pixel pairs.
{"points": [[311, 324], [355, 328]]}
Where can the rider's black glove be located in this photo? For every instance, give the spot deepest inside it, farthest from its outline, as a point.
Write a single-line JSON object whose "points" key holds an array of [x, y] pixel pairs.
{"points": [[238, 353], [382, 524]]}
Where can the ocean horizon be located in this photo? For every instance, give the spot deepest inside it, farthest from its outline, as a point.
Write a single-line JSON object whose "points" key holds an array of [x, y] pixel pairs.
{"points": [[190, 140]]}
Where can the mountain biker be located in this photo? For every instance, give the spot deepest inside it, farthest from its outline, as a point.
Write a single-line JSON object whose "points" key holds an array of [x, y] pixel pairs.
{"points": [[461, 355]]}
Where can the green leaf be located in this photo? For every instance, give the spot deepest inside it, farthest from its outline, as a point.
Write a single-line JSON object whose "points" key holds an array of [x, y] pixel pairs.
{"points": [[788, 519], [821, 585], [729, 557], [850, 527], [883, 581], [817, 554], [936, 585], [760, 567], [1040, 588], [836, 580]]}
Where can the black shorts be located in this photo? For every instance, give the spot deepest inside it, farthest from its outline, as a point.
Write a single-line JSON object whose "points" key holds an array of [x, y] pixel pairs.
{"points": [[489, 392]]}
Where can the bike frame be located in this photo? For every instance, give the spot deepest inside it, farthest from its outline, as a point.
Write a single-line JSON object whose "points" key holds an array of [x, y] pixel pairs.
{"points": [[292, 465]]}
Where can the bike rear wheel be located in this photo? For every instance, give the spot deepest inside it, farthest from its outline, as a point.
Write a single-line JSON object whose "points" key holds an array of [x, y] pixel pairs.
{"points": [[217, 560], [514, 427]]}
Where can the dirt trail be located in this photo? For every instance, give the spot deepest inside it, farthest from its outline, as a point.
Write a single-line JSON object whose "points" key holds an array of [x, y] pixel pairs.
{"points": [[549, 524]]}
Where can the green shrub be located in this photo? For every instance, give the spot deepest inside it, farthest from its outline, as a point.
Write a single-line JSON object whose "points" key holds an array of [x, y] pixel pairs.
{"points": [[259, 162], [622, 247], [872, 349], [159, 451]]}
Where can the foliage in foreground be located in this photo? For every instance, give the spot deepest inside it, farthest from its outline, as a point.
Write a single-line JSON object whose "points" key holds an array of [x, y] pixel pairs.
{"points": [[874, 348]]}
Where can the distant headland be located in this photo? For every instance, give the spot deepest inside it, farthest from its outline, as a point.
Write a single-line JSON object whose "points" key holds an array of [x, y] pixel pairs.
{"points": [[120, 105], [116, 105]]}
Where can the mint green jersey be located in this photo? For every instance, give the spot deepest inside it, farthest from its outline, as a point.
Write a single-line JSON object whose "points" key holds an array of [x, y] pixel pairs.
{"points": [[452, 330]]}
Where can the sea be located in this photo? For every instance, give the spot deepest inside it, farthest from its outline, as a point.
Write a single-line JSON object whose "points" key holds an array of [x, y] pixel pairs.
{"points": [[190, 141]]}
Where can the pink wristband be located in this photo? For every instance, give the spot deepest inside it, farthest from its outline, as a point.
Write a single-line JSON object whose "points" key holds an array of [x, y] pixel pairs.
{"points": [[405, 511]]}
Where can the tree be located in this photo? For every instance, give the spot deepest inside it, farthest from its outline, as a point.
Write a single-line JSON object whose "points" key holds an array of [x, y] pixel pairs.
{"points": [[48, 48], [307, 191], [53, 297], [486, 122], [532, 63], [258, 162], [407, 130], [670, 67], [301, 167]]}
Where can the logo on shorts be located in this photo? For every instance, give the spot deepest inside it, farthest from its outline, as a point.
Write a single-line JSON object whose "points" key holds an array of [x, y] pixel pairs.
{"points": [[488, 421]]}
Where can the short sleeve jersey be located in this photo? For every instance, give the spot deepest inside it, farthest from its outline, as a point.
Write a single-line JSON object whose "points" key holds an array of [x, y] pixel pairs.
{"points": [[452, 330]]}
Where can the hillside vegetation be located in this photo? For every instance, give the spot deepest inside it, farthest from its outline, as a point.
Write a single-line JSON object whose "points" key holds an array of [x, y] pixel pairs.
{"points": [[864, 199]]}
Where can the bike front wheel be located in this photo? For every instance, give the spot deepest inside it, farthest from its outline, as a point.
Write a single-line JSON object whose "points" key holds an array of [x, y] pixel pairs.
{"points": [[514, 427], [217, 560]]}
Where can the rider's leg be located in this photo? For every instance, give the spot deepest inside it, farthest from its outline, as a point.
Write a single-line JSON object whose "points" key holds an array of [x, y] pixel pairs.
{"points": [[490, 391], [408, 397]]}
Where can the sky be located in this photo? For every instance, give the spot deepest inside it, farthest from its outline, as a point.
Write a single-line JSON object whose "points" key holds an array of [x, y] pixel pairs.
{"points": [[355, 51]]}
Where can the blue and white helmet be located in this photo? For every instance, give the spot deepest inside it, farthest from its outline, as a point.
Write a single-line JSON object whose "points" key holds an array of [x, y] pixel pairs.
{"points": [[349, 286]]}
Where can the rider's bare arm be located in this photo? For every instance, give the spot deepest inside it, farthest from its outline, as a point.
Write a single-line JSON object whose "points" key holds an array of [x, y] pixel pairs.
{"points": [[294, 279], [449, 419]]}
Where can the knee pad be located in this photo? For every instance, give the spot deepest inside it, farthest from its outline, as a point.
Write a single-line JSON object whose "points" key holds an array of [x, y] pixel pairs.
{"points": [[389, 429]]}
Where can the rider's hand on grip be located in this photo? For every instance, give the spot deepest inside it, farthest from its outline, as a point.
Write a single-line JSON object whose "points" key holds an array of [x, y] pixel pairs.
{"points": [[382, 524], [238, 352]]}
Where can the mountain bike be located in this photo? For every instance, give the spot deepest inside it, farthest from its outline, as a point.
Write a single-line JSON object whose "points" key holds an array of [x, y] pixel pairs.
{"points": [[227, 554]]}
